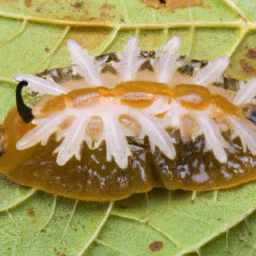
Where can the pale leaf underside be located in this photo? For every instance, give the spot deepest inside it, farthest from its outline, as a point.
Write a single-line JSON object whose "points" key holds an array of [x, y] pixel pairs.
{"points": [[49, 225]]}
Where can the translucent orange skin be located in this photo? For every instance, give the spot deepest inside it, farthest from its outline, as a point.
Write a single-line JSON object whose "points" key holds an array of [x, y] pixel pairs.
{"points": [[103, 181], [37, 167]]}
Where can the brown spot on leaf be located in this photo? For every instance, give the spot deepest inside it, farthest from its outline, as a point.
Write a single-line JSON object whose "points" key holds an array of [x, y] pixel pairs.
{"points": [[57, 252], [30, 212], [28, 3], [78, 5], [156, 246], [172, 5], [46, 49], [108, 7], [251, 54], [106, 13], [247, 68]]}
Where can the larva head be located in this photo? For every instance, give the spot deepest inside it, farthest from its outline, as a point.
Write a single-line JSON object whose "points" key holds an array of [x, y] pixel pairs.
{"points": [[101, 140]]}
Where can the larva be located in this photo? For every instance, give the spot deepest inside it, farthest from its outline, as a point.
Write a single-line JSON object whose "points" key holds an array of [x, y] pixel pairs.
{"points": [[111, 135]]}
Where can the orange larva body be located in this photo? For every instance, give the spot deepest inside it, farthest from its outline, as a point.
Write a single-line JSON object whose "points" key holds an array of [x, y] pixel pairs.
{"points": [[105, 139]]}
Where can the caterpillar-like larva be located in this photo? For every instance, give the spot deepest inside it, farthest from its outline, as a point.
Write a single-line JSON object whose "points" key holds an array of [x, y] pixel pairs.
{"points": [[112, 135]]}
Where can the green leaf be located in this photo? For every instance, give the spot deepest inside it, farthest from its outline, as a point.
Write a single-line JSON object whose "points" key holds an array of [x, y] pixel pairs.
{"points": [[240, 239], [33, 37]]}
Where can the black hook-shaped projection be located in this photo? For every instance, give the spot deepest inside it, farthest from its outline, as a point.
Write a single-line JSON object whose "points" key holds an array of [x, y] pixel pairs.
{"points": [[24, 111]]}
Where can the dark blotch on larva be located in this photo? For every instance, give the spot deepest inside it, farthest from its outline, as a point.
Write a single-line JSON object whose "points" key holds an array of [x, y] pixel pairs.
{"points": [[147, 54], [191, 68], [109, 68], [194, 169], [229, 84], [59, 75], [202, 62], [107, 58], [146, 66], [250, 113]]}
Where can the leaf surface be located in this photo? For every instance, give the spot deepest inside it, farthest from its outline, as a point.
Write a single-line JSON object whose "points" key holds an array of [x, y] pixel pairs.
{"points": [[33, 36]]}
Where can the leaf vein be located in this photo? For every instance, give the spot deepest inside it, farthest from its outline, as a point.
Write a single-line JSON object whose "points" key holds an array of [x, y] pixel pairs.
{"points": [[126, 17], [70, 218], [152, 225], [51, 214], [195, 247], [19, 32], [177, 244], [18, 233], [97, 231], [20, 200], [237, 24], [105, 45], [236, 9], [54, 49], [112, 247]]}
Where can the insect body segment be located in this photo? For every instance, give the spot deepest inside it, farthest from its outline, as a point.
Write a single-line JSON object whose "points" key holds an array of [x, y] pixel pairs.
{"points": [[163, 129]]}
